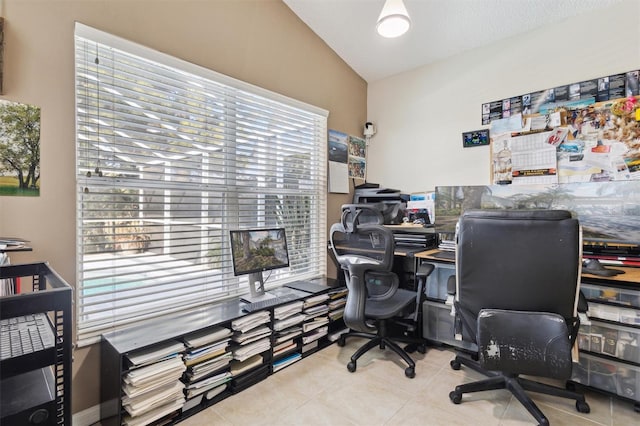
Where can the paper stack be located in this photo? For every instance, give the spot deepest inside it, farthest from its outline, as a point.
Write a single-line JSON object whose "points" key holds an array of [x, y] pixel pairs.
{"points": [[315, 311], [286, 361], [207, 361], [251, 336], [287, 316], [6, 284], [315, 300], [316, 334], [152, 388], [337, 300]]}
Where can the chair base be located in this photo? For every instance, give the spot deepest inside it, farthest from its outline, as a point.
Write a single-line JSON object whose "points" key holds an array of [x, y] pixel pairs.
{"points": [[516, 385], [382, 342]]}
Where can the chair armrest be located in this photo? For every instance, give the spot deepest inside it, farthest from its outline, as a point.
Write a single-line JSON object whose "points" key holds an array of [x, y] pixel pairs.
{"points": [[451, 285], [424, 270]]}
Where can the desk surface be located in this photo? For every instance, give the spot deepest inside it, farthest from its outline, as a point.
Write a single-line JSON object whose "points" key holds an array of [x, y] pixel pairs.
{"points": [[428, 254], [630, 276], [181, 323]]}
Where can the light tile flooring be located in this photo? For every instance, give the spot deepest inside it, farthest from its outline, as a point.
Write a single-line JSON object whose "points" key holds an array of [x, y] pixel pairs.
{"points": [[318, 390]]}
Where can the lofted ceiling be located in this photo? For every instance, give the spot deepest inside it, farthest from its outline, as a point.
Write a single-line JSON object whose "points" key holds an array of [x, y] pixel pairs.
{"points": [[439, 28]]}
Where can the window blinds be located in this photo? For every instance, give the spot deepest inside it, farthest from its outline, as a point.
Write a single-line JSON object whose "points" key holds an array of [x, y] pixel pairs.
{"points": [[170, 158]]}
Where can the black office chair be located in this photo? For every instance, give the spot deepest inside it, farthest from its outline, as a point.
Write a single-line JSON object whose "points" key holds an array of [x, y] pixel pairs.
{"points": [[365, 253], [517, 290]]}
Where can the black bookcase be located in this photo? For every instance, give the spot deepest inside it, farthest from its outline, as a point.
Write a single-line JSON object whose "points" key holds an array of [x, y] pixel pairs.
{"points": [[36, 385], [118, 346]]}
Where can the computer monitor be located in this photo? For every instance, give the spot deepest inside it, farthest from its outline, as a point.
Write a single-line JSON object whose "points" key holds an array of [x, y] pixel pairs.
{"points": [[257, 250]]}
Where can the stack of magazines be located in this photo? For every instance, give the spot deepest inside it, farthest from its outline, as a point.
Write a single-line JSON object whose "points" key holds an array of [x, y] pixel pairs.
{"points": [[251, 336], [207, 360], [286, 326], [337, 300], [152, 388]]}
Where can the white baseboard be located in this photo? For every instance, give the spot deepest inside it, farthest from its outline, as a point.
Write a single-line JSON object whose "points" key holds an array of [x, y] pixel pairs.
{"points": [[87, 417]]}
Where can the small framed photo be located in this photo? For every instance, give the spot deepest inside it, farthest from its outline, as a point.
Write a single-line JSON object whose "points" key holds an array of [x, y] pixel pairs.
{"points": [[475, 138]]}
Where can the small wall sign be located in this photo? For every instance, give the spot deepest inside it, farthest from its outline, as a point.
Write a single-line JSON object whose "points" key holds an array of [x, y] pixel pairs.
{"points": [[475, 138]]}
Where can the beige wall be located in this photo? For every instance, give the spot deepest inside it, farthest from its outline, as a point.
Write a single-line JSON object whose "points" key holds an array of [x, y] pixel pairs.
{"points": [[420, 115], [259, 41]]}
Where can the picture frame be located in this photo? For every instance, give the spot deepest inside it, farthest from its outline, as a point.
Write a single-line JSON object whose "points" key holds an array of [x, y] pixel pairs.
{"points": [[475, 138], [1, 53]]}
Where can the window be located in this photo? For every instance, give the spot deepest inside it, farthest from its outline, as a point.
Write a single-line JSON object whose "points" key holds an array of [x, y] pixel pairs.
{"points": [[170, 158]]}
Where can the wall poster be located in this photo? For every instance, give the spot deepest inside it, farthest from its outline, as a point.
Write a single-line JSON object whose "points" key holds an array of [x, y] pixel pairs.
{"points": [[357, 158], [338, 159]]}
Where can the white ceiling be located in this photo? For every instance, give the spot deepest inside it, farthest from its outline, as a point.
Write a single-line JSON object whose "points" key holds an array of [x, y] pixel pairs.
{"points": [[439, 28]]}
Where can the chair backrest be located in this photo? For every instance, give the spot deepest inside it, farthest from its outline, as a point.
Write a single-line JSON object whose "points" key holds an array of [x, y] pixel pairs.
{"points": [[365, 253], [526, 260]]}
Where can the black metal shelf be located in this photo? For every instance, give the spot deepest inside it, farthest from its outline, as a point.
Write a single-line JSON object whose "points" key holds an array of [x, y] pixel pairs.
{"points": [[36, 386]]}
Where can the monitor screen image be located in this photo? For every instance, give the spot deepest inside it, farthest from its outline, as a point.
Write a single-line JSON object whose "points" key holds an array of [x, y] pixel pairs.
{"points": [[257, 250], [608, 211]]}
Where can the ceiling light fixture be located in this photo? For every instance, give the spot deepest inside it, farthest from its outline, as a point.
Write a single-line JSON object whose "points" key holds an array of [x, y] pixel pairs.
{"points": [[393, 20]]}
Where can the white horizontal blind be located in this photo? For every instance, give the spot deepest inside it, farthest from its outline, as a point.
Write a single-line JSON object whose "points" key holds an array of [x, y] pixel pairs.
{"points": [[170, 157]]}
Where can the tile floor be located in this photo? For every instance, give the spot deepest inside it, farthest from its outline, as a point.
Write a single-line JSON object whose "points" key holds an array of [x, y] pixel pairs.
{"points": [[318, 390]]}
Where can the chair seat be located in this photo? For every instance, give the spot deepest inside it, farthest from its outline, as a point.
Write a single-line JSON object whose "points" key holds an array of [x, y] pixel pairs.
{"points": [[389, 307]]}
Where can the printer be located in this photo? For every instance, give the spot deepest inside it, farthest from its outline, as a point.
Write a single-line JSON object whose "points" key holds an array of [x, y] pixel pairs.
{"points": [[390, 202]]}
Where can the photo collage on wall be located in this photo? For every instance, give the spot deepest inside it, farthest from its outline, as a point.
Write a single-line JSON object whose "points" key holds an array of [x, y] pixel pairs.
{"points": [[582, 132], [575, 94], [347, 159]]}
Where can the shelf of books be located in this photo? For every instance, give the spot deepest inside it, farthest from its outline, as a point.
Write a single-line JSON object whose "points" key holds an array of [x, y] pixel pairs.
{"points": [[163, 375]]}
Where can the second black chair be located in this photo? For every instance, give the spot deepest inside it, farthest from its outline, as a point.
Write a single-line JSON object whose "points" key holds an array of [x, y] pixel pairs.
{"points": [[517, 276]]}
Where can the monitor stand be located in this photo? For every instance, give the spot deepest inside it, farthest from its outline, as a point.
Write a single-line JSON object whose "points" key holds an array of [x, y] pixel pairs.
{"points": [[256, 286]]}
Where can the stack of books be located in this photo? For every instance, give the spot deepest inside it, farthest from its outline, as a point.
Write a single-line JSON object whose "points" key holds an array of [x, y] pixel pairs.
{"points": [[207, 360], [152, 387]]}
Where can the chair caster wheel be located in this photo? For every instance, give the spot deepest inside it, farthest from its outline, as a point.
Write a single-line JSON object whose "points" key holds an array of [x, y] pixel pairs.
{"points": [[422, 349], [455, 364], [341, 341], [351, 366], [455, 397], [583, 407], [410, 372]]}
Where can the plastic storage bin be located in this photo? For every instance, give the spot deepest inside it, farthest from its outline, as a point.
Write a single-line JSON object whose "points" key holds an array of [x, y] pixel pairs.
{"points": [[438, 325], [610, 339], [437, 281], [611, 376], [619, 296]]}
